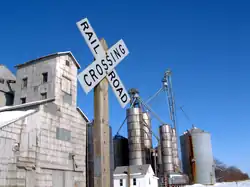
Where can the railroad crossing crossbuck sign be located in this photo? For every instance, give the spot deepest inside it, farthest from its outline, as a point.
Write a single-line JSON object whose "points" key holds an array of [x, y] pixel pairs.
{"points": [[104, 63]]}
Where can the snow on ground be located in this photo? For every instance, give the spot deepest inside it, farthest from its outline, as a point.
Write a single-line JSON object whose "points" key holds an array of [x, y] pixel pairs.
{"points": [[225, 184]]}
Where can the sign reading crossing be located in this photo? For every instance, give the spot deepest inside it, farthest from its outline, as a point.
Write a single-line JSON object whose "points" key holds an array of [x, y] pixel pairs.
{"points": [[104, 64]]}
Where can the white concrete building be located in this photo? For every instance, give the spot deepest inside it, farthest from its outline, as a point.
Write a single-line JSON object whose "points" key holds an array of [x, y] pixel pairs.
{"points": [[43, 136], [7, 84], [140, 176]]}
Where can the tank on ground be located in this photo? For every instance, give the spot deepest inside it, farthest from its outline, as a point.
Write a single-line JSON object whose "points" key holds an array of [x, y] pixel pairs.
{"points": [[135, 137], [147, 136], [176, 161], [166, 149], [120, 144], [197, 156]]}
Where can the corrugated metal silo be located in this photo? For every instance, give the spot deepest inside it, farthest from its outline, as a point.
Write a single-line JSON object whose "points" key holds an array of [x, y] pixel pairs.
{"points": [[120, 144], [135, 137], [176, 160], [147, 136], [166, 149], [197, 156], [90, 156]]}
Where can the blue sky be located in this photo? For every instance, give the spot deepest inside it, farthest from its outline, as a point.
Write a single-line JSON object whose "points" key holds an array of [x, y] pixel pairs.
{"points": [[205, 43]]}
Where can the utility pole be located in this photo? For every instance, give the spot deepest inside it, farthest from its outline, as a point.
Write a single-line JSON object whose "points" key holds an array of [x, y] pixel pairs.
{"points": [[101, 132]]}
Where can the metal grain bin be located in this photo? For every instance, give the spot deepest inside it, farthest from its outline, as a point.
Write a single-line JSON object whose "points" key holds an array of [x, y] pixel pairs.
{"points": [[147, 136], [197, 157], [120, 144], [175, 155], [90, 156], [166, 149], [135, 137]]}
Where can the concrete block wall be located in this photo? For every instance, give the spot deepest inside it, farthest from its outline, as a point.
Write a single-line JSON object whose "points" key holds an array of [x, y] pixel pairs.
{"points": [[69, 72], [35, 80], [40, 148], [11, 174]]}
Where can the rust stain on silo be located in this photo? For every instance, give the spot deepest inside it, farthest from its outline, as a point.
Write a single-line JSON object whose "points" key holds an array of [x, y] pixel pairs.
{"points": [[192, 159]]}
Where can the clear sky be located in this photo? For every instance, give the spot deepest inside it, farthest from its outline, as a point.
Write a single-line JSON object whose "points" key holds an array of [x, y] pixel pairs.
{"points": [[205, 43]]}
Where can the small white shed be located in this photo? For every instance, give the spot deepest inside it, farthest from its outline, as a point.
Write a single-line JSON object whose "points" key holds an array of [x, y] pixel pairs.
{"points": [[140, 176]]}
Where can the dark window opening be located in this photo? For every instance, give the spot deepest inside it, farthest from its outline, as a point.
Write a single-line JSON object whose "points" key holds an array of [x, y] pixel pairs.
{"points": [[2, 81], [45, 77], [25, 82], [134, 182], [23, 100], [44, 95], [121, 182], [67, 63]]}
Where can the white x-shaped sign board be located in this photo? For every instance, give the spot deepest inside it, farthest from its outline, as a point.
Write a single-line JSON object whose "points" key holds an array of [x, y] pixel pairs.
{"points": [[104, 63]]}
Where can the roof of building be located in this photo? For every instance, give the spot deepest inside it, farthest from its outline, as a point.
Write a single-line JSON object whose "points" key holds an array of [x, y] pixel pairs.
{"points": [[9, 117], [82, 113], [51, 55], [140, 169], [6, 74], [194, 130], [11, 114], [21, 106]]}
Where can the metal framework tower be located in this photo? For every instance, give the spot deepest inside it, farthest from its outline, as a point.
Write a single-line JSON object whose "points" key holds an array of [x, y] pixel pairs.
{"points": [[167, 87]]}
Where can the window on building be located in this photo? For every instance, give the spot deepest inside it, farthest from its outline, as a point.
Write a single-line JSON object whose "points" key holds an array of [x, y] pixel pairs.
{"points": [[44, 95], [67, 63], [2, 81], [25, 82], [149, 181], [45, 77], [63, 134], [134, 182], [121, 182], [23, 100], [66, 85]]}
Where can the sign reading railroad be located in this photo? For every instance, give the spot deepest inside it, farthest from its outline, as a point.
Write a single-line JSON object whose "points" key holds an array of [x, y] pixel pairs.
{"points": [[104, 64]]}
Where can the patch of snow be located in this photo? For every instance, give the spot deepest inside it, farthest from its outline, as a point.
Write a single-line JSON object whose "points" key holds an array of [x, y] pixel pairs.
{"points": [[8, 117], [225, 184]]}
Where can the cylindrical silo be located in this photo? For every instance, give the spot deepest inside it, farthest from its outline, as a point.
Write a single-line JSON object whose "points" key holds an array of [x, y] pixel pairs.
{"points": [[176, 160], [159, 161], [147, 136], [197, 151], [90, 156], [120, 144], [135, 137], [166, 149]]}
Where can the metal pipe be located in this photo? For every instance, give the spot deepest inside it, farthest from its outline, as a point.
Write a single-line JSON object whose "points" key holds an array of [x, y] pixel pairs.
{"points": [[153, 113], [152, 97]]}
